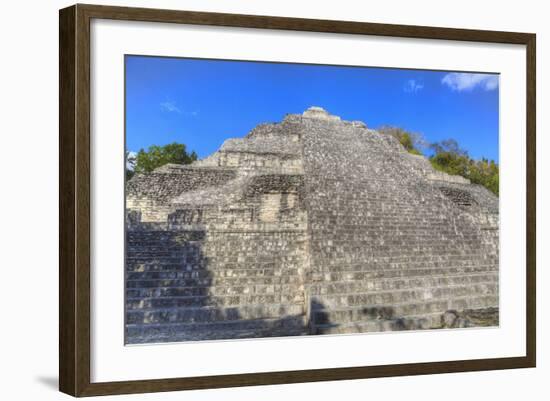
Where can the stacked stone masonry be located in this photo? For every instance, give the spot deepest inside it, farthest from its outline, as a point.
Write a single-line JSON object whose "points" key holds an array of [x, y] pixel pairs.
{"points": [[314, 225]]}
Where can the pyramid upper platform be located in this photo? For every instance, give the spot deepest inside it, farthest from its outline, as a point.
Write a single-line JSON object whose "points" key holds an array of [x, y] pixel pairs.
{"points": [[320, 114]]}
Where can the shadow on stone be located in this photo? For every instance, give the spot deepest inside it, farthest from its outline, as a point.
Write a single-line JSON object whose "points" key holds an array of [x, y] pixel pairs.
{"points": [[319, 318], [173, 294], [167, 285]]}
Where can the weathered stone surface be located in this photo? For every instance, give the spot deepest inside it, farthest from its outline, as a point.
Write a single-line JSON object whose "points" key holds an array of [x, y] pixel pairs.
{"points": [[313, 225]]}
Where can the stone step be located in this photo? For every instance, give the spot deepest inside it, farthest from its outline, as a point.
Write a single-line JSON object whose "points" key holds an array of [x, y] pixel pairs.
{"points": [[382, 243], [211, 314], [151, 280], [437, 217], [482, 317], [133, 263], [407, 226], [400, 226], [150, 333], [388, 249], [396, 209], [423, 322], [220, 271], [352, 275], [436, 221], [219, 301], [432, 261], [143, 264], [257, 289], [216, 282], [132, 260], [388, 252], [403, 296], [362, 238], [329, 301], [366, 259], [175, 257], [419, 257], [368, 234], [436, 262], [422, 232], [368, 266], [136, 237], [378, 312], [347, 265], [378, 263], [289, 286], [388, 284], [185, 279], [210, 240]]}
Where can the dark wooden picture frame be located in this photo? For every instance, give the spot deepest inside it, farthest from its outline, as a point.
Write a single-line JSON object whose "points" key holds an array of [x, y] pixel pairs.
{"points": [[74, 200]]}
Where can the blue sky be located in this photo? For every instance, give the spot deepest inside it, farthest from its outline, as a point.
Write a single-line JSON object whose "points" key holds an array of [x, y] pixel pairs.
{"points": [[203, 102]]}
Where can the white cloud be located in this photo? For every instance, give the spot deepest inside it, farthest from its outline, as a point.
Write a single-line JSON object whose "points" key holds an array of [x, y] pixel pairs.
{"points": [[460, 81], [412, 86], [170, 107]]}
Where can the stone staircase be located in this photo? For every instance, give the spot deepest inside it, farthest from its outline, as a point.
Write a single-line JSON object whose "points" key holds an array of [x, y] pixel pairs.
{"points": [[389, 249], [180, 290]]}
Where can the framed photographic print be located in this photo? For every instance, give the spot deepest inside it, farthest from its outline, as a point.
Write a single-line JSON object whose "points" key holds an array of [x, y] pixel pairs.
{"points": [[250, 200]]}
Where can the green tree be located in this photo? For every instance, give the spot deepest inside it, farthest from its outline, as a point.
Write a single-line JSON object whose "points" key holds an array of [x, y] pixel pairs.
{"points": [[451, 159], [156, 156], [448, 146]]}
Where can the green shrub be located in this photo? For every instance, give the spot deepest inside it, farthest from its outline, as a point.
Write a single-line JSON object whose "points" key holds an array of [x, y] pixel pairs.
{"points": [[449, 157], [155, 156]]}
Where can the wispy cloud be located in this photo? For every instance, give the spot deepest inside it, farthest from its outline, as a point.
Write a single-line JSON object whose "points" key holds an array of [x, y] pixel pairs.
{"points": [[413, 86], [170, 107], [460, 81]]}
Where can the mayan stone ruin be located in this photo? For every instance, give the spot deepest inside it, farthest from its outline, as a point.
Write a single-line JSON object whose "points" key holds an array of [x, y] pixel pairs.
{"points": [[313, 225]]}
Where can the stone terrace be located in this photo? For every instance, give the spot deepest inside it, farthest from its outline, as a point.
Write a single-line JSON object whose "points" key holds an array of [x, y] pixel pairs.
{"points": [[310, 226]]}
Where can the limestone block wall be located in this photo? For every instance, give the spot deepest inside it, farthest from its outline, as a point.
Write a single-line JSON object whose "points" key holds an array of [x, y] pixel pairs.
{"points": [[151, 194]]}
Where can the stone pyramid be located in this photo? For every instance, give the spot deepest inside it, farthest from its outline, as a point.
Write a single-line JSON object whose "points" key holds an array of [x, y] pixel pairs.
{"points": [[313, 225]]}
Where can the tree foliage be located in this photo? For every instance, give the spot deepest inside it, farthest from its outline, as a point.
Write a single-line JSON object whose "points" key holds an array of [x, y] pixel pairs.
{"points": [[155, 156], [411, 141], [449, 157]]}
